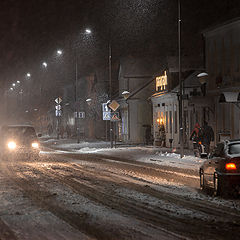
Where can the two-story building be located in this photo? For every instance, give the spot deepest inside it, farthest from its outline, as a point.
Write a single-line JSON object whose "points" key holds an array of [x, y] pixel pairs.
{"points": [[136, 76], [222, 53]]}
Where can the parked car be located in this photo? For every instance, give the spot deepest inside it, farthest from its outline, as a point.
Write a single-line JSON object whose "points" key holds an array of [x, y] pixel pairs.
{"points": [[221, 171], [18, 141]]}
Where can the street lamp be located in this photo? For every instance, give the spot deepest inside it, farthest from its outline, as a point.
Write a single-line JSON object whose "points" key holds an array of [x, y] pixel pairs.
{"points": [[28, 75], [44, 64], [89, 100], [59, 52], [11, 89], [126, 94], [202, 77], [14, 84], [88, 31], [18, 81]]}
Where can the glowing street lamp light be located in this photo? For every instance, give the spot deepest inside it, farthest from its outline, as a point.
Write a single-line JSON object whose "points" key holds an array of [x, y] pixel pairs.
{"points": [[44, 64], [28, 75], [59, 52], [89, 100], [126, 94], [18, 81], [88, 31], [202, 77], [14, 84], [11, 89]]}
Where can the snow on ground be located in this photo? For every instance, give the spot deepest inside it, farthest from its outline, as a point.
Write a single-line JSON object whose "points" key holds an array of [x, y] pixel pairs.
{"points": [[147, 154]]}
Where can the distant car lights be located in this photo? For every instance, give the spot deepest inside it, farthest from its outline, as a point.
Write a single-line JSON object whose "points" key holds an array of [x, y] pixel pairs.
{"points": [[12, 145]]}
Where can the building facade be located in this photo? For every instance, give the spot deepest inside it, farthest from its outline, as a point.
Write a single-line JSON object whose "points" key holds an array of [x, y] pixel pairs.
{"points": [[223, 67], [136, 76], [166, 111]]}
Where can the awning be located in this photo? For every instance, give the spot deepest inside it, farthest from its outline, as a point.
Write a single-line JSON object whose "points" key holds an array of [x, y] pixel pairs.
{"points": [[229, 97]]}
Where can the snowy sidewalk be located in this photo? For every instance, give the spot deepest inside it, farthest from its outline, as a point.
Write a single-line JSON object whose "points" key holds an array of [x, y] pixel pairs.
{"points": [[146, 154]]}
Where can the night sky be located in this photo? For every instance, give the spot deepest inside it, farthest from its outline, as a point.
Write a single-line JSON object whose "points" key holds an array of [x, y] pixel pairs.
{"points": [[32, 30]]}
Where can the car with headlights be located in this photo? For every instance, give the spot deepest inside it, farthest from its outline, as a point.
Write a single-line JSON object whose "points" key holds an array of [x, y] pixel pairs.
{"points": [[19, 141], [221, 171]]}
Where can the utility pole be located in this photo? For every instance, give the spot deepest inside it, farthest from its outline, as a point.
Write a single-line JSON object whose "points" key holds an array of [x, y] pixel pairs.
{"points": [[76, 97], [180, 84], [110, 88]]}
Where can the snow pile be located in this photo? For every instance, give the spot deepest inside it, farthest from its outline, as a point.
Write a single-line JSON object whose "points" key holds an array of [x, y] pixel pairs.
{"points": [[92, 150], [144, 154], [174, 160]]}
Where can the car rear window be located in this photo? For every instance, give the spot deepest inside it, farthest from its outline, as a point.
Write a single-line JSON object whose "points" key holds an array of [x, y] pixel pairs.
{"points": [[234, 148]]}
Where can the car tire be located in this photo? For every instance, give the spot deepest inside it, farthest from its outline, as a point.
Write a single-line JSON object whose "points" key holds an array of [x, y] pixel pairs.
{"points": [[202, 180], [217, 181]]}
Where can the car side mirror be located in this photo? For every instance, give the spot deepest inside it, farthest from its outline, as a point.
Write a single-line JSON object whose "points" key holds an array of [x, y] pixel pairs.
{"points": [[39, 135]]}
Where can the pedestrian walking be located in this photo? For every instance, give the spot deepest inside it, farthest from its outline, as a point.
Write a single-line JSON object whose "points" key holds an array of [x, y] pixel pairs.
{"points": [[196, 138], [207, 136]]}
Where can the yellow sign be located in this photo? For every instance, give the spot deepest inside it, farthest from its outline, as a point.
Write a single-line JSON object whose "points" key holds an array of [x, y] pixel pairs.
{"points": [[114, 105], [161, 82]]}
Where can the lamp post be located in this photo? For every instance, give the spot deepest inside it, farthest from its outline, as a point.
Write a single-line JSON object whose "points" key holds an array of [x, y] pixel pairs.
{"points": [[202, 77], [181, 140], [110, 87], [87, 32]]}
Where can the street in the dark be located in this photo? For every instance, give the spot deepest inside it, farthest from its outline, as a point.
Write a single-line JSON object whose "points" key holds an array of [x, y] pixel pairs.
{"points": [[119, 119], [67, 195]]}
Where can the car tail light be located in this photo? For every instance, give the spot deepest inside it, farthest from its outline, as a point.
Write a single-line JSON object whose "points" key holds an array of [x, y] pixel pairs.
{"points": [[231, 166]]}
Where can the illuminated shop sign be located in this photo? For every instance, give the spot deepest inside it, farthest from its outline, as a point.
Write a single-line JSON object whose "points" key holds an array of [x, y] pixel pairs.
{"points": [[161, 82]]}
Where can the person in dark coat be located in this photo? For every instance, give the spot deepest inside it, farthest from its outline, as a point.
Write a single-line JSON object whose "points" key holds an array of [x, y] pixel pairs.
{"points": [[196, 138], [207, 136]]}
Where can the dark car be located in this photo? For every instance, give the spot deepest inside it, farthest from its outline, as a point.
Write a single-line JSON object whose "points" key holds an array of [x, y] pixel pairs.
{"points": [[18, 141], [221, 171]]}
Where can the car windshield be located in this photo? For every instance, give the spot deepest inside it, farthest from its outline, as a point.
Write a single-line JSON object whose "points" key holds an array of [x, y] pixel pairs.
{"points": [[21, 131], [234, 148]]}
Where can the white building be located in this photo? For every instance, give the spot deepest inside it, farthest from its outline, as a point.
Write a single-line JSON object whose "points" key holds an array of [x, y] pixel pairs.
{"points": [[137, 77], [223, 67], [166, 111]]}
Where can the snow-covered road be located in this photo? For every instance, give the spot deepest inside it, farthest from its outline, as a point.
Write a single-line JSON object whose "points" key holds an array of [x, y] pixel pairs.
{"points": [[102, 194]]}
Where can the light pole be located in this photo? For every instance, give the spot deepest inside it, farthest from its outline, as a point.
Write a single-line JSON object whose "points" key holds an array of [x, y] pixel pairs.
{"points": [[110, 87], [87, 32], [181, 140]]}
